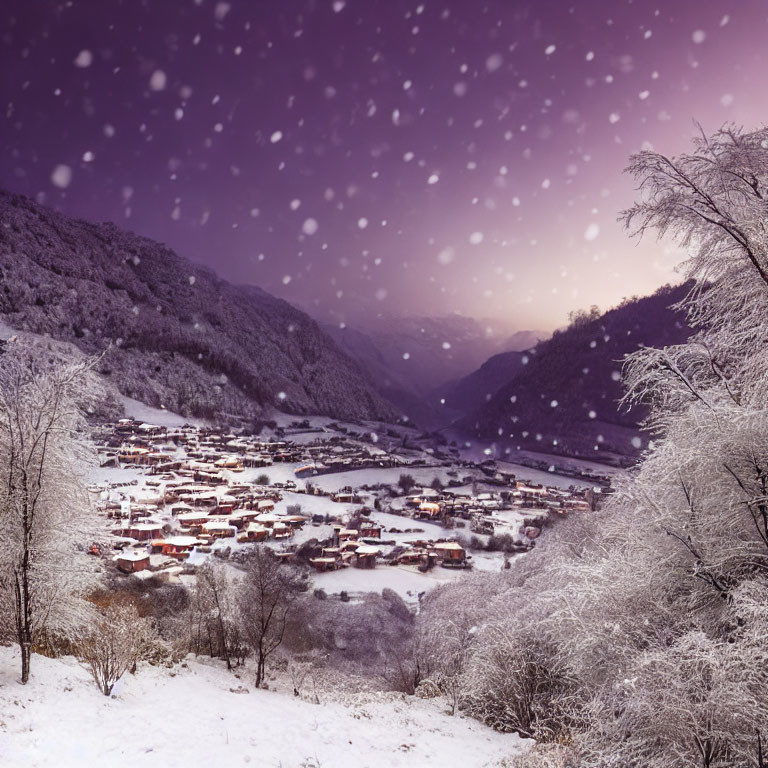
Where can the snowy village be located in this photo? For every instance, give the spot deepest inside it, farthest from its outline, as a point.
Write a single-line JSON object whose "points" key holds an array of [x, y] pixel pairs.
{"points": [[383, 384], [329, 497]]}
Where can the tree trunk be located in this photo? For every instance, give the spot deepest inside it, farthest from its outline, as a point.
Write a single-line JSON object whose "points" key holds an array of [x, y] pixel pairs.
{"points": [[260, 670], [26, 654], [24, 617]]}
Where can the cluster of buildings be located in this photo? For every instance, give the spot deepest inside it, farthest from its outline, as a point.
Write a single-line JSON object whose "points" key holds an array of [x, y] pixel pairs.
{"points": [[202, 493]]}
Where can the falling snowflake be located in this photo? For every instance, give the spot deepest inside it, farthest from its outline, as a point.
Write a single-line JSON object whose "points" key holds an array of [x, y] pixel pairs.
{"points": [[61, 176], [310, 226], [493, 62], [592, 232], [158, 80], [84, 59], [446, 256]]}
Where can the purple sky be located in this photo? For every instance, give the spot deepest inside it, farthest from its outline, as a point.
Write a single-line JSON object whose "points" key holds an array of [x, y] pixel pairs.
{"points": [[358, 156]]}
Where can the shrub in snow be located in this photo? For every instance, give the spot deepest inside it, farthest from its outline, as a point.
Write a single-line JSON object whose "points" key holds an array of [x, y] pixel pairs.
{"points": [[406, 482], [515, 682], [116, 641], [214, 615]]}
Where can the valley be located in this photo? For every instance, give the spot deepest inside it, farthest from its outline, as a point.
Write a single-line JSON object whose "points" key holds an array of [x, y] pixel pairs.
{"points": [[363, 506]]}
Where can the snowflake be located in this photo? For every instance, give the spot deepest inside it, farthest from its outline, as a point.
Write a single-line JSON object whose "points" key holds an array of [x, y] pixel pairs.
{"points": [[158, 80], [84, 59], [61, 176], [592, 232], [493, 62]]}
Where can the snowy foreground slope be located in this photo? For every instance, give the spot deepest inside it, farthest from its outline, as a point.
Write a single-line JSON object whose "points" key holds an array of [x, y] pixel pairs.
{"points": [[196, 716]]}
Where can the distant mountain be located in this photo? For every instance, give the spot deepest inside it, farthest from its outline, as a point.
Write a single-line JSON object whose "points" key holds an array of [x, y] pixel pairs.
{"points": [[390, 382], [522, 340], [564, 399], [473, 391], [410, 358], [180, 336], [426, 351]]}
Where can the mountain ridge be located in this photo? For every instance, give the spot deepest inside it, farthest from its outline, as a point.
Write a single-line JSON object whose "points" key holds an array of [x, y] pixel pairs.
{"points": [[179, 335], [564, 398]]}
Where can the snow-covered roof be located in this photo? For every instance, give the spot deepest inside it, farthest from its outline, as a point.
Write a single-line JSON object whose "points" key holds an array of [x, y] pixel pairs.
{"points": [[132, 556], [179, 541], [217, 525], [453, 545]]}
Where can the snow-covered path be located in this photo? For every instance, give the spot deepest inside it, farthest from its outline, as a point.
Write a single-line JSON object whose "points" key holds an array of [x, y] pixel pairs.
{"points": [[190, 716]]}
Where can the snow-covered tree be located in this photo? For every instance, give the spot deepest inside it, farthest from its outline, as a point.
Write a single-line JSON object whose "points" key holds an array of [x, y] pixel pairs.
{"points": [[114, 642], [214, 613], [45, 515], [655, 610], [267, 595]]}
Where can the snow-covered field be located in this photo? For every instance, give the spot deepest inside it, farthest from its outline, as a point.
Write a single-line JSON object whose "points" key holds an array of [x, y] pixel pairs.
{"points": [[199, 715], [135, 409]]}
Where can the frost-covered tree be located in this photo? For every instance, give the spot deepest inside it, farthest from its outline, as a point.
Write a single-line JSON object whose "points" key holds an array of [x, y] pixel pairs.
{"points": [[655, 609], [446, 631], [115, 642], [45, 515], [267, 595], [713, 203], [214, 613], [516, 680]]}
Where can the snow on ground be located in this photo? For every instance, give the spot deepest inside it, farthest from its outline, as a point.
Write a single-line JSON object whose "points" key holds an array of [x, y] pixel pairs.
{"points": [[191, 717], [135, 409], [407, 581], [480, 451], [529, 474], [356, 478], [571, 462]]}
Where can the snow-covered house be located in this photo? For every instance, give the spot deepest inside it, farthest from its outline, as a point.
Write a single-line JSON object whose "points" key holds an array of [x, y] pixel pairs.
{"points": [[132, 561]]}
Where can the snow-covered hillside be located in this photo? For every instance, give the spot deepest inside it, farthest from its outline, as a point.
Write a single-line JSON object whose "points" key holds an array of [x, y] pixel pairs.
{"points": [[198, 714]]}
